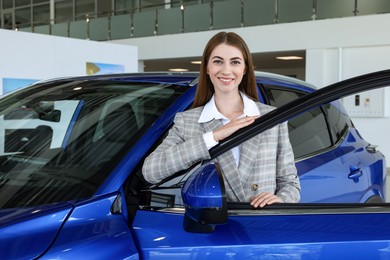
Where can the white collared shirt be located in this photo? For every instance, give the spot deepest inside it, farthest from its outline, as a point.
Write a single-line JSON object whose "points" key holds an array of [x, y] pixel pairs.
{"points": [[210, 112]]}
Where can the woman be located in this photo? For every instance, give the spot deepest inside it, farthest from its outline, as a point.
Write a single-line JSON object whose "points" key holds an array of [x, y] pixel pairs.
{"points": [[261, 170]]}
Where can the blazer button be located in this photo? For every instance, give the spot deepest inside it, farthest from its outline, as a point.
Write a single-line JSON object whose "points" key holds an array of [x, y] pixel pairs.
{"points": [[254, 187]]}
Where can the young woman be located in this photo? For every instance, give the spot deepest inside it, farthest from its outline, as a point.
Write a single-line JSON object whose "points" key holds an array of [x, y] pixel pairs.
{"points": [[261, 170]]}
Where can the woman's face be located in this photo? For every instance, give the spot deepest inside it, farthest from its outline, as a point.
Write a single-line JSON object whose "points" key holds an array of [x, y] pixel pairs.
{"points": [[226, 67]]}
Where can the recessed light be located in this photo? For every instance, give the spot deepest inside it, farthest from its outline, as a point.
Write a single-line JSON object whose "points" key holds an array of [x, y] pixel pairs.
{"points": [[196, 62], [289, 58], [178, 70]]}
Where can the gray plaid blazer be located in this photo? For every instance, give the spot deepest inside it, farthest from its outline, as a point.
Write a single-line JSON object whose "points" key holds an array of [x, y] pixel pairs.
{"points": [[266, 161]]}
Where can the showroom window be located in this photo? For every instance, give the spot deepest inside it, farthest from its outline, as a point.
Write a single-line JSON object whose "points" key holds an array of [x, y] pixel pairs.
{"points": [[8, 4], [104, 8], [83, 8], [23, 16], [63, 10], [41, 14], [19, 3]]}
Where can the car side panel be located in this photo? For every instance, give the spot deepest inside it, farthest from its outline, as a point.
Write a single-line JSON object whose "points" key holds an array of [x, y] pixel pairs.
{"points": [[287, 236], [93, 232], [327, 177]]}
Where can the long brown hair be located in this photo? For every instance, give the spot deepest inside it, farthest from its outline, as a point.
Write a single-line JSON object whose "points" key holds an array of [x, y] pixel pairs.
{"points": [[205, 89]]}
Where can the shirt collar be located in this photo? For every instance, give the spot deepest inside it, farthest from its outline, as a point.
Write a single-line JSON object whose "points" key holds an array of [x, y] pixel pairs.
{"points": [[211, 112]]}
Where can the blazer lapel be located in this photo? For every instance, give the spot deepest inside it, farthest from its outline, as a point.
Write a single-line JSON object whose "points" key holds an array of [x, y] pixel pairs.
{"points": [[228, 165], [248, 154], [232, 175], [248, 151]]}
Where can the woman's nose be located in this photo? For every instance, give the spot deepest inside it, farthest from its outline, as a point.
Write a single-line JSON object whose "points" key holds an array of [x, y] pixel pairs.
{"points": [[226, 69]]}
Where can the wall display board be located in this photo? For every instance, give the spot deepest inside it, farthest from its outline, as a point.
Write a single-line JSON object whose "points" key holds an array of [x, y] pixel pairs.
{"points": [[29, 57]]}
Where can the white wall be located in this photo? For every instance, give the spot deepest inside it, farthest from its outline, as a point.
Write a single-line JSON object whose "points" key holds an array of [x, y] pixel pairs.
{"points": [[356, 61], [36, 56], [336, 49]]}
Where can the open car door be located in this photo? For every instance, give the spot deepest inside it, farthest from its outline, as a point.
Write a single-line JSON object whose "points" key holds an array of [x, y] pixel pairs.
{"points": [[198, 223]]}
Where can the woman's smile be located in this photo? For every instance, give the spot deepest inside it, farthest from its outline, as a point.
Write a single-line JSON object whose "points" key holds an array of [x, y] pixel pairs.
{"points": [[226, 68]]}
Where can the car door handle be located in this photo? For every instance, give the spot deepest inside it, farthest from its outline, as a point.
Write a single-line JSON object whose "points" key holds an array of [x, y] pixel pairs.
{"points": [[355, 174], [371, 148]]}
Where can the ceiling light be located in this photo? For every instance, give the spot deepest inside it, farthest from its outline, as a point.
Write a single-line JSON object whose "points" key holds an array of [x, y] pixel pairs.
{"points": [[178, 70], [196, 62], [289, 58]]}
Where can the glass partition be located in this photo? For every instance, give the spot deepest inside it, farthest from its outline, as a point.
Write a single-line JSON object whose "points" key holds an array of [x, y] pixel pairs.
{"points": [[258, 12], [60, 29], [144, 24], [373, 7], [227, 14], [335, 8], [199, 13], [294, 11], [169, 21], [116, 19], [98, 29], [120, 26]]}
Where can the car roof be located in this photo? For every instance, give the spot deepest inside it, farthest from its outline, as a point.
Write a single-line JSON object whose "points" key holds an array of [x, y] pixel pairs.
{"points": [[277, 79], [182, 78]]}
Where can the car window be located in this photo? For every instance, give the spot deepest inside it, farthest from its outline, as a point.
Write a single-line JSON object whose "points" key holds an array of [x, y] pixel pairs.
{"points": [[309, 131], [61, 142], [277, 96], [338, 120]]}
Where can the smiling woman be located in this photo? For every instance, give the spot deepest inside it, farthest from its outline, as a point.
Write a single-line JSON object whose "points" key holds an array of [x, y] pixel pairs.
{"points": [[262, 170]]}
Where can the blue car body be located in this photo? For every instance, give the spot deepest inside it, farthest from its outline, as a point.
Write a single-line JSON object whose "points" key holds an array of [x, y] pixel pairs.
{"points": [[118, 216]]}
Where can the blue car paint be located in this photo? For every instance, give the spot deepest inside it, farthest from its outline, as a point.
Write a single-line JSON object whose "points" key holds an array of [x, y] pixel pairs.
{"points": [[311, 236], [203, 192], [93, 232], [320, 170], [25, 233]]}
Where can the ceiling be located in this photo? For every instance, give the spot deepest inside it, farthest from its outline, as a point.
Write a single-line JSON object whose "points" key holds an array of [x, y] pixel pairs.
{"points": [[261, 61]]}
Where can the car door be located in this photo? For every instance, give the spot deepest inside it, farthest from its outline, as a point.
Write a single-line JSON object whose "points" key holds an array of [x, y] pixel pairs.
{"points": [[293, 231], [331, 157], [267, 234]]}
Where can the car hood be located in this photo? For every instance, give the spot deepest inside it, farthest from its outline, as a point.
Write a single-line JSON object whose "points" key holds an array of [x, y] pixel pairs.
{"points": [[26, 233]]}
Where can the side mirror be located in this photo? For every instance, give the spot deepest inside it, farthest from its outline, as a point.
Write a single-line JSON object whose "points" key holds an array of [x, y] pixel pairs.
{"points": [[204, 199]]}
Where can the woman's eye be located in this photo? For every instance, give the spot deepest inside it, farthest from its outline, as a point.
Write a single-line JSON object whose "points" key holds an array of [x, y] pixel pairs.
{"points": [[217, 61], [236, 62]]}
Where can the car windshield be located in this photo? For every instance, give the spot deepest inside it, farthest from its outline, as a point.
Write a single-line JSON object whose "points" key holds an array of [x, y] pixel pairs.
{"points": [[60, 142]]}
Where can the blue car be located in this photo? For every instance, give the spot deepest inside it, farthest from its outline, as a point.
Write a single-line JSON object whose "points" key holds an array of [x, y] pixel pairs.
{"points": [[71, 185]]}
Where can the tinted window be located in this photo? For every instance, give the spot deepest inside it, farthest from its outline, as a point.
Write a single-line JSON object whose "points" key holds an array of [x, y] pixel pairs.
{"points": [[339, 122], [277, 96], [308, 131], [59, 142]]}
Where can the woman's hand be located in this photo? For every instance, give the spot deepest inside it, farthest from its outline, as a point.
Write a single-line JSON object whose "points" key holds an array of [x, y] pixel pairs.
{"points": [[231, 127], [264, 198]]}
